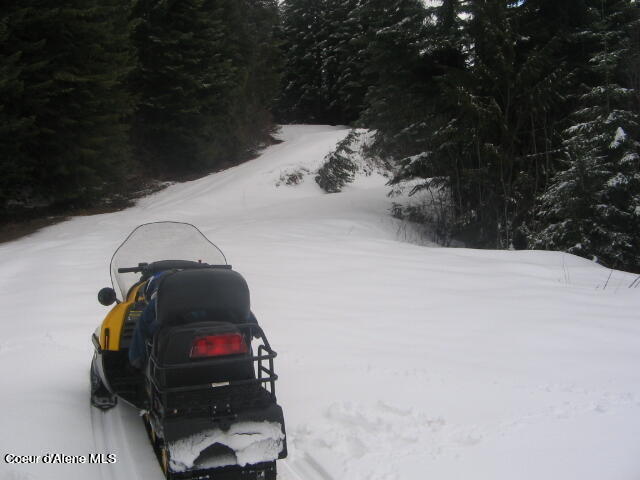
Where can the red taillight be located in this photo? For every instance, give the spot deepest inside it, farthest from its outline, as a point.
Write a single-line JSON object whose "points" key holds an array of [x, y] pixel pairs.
{"points": [[217, 345]]}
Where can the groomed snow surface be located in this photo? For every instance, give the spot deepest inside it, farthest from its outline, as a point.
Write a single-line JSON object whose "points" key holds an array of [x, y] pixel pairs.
{"points": [[397, 360]]}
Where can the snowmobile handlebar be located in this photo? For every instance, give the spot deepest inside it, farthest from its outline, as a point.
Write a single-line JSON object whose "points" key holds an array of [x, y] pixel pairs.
{"points": [[141, 267], [162, 265]]}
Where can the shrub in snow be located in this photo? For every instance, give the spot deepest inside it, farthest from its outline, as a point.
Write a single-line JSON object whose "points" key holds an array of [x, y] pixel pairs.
{"points": [[339, 167], [292, 177], [433, 212]]}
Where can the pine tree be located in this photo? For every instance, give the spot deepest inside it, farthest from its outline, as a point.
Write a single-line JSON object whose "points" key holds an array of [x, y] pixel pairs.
{"points": [[592, 208], [203, 81], [263, 63], [301, 99], [339, 166], [398, 96], [322, 43], [66, 97], [343, 82], [499, 89], [182, 75], [15, 127]]}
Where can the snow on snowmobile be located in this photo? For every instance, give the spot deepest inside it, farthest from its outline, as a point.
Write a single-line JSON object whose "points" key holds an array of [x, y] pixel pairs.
{"points": [[207, 389]]}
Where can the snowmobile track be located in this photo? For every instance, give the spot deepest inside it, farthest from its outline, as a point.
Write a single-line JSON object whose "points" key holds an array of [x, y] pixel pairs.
{"points": [[121, 432], [305, 468], [100, 439]]}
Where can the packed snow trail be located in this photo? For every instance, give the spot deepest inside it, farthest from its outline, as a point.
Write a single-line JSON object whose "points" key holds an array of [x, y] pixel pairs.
{"points": [[396, 361]]}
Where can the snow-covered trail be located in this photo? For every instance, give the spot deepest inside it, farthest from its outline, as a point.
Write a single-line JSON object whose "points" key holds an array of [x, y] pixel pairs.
{"points": [[396, 361]]}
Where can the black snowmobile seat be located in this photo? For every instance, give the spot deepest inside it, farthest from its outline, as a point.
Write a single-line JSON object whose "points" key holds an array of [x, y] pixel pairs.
{"points": [[193, 295]]}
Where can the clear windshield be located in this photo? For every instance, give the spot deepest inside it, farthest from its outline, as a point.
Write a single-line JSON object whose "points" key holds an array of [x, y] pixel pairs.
{"points": [[153, 242]]}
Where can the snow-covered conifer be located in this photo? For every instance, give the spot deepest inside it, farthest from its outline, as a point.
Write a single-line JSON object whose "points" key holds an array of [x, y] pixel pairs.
{"points": [[592, 206], [301, 97]]}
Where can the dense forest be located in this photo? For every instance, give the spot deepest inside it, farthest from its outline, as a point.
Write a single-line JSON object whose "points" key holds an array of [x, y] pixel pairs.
{"points": [[523, 116], [98, 96]]}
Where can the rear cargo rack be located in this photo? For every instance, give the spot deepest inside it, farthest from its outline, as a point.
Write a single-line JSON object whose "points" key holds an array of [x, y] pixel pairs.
{"points": [[264, 367]]}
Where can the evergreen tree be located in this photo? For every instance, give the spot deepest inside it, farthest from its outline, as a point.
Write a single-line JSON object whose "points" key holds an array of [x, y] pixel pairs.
{"points": [[398, 95], [339, 166], [301, 99], [260, 57], [202, 81], [15, 127], [322, 46], [182, 81], [343, 62], [66, 106], [408, 54], [503, 89], [592, 208]]}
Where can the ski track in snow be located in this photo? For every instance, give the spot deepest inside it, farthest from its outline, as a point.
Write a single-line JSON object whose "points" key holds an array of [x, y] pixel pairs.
{"points": [[305, 468], [397, 361], [115, 431]]}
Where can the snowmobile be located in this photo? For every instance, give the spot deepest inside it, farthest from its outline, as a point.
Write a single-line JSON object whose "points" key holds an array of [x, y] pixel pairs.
{"points": [[207, 390]]}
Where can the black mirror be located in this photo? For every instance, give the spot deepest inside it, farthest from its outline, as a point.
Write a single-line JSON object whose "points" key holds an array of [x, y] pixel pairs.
{"points": [[107, 296]]}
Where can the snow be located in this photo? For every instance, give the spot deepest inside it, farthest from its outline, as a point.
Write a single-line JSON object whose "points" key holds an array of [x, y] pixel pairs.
{"points": [[619, 138], [629, 157], [396, 361], [252, 442], [617, 181]]}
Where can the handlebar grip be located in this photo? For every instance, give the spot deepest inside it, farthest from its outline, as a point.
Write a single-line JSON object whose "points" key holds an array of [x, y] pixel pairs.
{"points": [[129, 270]]}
